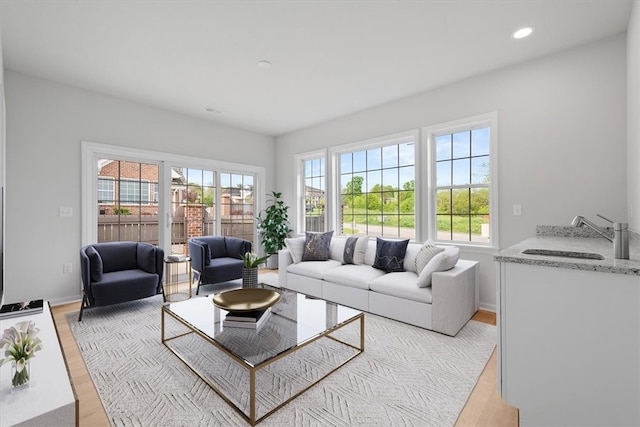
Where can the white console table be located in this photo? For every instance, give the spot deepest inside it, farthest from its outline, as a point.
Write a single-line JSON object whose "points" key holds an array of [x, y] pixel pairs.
{"points": [[50, 399]]}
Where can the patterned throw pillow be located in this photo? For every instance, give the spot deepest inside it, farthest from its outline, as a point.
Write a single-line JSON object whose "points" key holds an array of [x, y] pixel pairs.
{"points": [[354, 250], [428, 251], [316, 246], [443, 261], [390, 255]]}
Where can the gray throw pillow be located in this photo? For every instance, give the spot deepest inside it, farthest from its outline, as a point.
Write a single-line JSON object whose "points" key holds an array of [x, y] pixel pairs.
{"points": [[390, 255], [354, 249], [316, 246], [349, 250]]}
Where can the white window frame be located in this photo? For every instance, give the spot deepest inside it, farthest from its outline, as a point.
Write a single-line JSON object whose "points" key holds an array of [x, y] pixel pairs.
{"points": [[92, 151], [299, 160], [429, 160], [397, 138]]}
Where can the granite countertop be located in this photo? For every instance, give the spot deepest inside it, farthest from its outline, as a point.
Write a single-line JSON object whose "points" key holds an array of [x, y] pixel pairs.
{"points": [[554, 240]]}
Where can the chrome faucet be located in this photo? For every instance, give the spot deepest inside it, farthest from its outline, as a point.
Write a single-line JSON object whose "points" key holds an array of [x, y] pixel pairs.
{"points": [[620, 238]]}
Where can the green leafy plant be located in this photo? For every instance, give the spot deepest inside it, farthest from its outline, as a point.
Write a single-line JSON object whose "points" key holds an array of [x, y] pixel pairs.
{"points": [[273, 224], [251, 260], [121, 211]]}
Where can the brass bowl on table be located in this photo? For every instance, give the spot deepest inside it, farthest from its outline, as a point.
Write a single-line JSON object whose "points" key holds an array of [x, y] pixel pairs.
{"points": [[246, 299]]}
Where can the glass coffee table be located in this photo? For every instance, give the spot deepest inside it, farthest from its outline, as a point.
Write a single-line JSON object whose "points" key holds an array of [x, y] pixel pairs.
{"points": [[258, 371]]}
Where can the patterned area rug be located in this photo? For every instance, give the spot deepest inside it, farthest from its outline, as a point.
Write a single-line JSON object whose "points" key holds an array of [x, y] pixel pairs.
{"points": [[407, 376]]}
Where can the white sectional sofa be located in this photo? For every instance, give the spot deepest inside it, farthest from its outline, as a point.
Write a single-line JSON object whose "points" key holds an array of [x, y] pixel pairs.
{"points": [[445, 306]]}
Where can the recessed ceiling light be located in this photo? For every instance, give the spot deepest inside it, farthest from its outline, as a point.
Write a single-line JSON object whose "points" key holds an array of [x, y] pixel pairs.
{"points": [[264, 64], [522, 33]]}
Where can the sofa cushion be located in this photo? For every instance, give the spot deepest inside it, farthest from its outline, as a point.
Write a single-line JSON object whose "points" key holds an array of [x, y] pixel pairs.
{"points": [[401, 285], [354, 250], [355, 276], [147, 257], [95, 264], [426, 252], [205, 250], [390, 254], [442, 261], [313, 269], [295, 245], [410, 256], [316, 246]]}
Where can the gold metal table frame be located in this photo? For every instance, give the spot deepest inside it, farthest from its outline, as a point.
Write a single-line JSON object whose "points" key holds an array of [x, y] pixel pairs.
{"points": [[253, 369]]}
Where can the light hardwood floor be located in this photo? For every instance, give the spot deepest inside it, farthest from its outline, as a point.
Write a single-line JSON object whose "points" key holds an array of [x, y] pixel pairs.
{"points": [[484, 407]]}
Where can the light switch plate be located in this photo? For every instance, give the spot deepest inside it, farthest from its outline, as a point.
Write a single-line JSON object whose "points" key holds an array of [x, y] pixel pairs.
{"points": [[517, 210]]}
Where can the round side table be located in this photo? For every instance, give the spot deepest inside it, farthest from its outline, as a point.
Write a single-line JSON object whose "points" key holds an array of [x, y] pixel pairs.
{"points": [[172, 291]]}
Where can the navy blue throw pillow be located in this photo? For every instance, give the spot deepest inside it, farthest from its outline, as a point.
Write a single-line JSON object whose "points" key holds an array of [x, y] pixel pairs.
{"points": [[390, 255], [95, 264], [205, 249]]}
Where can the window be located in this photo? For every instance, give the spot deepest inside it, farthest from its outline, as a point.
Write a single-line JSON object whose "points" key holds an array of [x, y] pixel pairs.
{"points": [[237, 205], [377, 189], [134, 192], [106, 192], [127, 210], [462, 176], [164, 198], [314, 194]]}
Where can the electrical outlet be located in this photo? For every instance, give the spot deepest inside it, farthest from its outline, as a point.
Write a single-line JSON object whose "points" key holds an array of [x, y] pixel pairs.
{"points": [[65, 211], [517, 210], [67, 268]]}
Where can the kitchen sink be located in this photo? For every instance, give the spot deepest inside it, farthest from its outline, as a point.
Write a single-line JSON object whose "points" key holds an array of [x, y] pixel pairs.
{"points": [[564, 254]]}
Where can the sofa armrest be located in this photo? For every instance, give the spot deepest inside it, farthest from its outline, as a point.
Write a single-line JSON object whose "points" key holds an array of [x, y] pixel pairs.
{"points": [[284, 260], [454, 297]]}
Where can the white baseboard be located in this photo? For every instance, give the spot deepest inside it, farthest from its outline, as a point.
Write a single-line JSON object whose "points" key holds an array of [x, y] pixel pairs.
{"points": [[488, 307]]}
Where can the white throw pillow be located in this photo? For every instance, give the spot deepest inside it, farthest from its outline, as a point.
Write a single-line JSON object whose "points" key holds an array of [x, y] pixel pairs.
{"points": [[428, 251], [442, 261], [295, 245]]}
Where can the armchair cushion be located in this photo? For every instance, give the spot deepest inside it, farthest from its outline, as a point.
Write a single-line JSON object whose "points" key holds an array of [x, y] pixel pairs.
{"points": [[235, 247], [147, 257], [217, 247], [95, 264], [118, 256]]}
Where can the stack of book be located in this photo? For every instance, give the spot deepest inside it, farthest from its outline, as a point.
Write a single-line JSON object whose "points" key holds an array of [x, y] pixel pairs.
{"points": [[245, 319], [177, 258], [21, 309]]}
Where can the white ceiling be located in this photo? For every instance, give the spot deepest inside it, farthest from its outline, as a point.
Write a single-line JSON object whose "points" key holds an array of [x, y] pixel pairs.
{"points": [[330, 58]]}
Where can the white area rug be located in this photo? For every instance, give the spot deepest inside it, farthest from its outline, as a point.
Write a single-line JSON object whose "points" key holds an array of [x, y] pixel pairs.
{"points": [[407, 376]]}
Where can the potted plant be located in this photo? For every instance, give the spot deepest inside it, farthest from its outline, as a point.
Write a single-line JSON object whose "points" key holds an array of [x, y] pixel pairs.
{"points": [[273, 227], [250, 262]]}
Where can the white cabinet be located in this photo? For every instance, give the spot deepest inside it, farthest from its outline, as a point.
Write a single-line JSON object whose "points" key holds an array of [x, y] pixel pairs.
{"points": [[569, 345], [50, 399]]}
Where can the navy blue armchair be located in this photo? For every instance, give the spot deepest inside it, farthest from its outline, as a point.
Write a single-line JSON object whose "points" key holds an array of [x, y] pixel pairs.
{"points": [[117, 272], [216, 259]]}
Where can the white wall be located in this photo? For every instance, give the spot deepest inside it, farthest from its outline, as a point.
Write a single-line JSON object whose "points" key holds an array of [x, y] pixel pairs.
{"points": [[45, 124], [561, 138], [633, 116]]}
